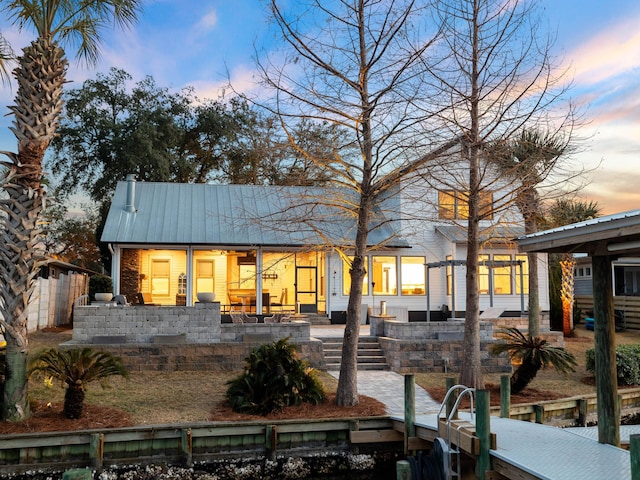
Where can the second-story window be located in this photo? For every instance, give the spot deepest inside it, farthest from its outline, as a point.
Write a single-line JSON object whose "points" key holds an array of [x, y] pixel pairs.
{"points": [[454, 205]]}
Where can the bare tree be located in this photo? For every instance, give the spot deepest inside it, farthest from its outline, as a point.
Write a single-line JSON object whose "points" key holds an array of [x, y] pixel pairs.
{"points": [[356, 64], [495, 76]]}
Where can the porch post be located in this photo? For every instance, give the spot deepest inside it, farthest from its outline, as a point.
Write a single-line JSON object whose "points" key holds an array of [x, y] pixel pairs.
{"points": [[428, 293], [115, 269], [491, 285], [259, 281], [190, 279], [453, 289], [605, 354]]}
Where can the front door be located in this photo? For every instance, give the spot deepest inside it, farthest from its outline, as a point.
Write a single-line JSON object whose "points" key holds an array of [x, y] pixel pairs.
{"points": [[306, 289]]}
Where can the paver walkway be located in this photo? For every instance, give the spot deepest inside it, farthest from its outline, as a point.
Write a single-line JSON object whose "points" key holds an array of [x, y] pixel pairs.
{"points": [[385, 386]]}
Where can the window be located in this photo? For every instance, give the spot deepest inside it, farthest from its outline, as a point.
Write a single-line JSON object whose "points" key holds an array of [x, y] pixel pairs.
{"points": [[525, 275], [502, 276], [346, 277], [160, 273], [182, 284], [454, 205], [205, 276], [385, 275], [412, 274], [483, 275]]}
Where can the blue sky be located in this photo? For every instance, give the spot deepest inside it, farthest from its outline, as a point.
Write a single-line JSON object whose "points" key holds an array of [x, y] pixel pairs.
{"points": [[200, 43]]}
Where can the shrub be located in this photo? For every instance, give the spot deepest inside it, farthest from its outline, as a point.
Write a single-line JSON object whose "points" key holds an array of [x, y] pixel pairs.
{"points": [[98, 284], [627, 363], [76, 368], [274, 378]]}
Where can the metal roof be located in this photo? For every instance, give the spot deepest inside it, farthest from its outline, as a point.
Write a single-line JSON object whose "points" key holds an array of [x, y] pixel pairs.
{"points": [[233, 215], [616, 232]]}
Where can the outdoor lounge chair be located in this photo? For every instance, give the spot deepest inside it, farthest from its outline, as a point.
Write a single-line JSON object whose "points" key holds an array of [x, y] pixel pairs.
{"points": [[236, 317]]}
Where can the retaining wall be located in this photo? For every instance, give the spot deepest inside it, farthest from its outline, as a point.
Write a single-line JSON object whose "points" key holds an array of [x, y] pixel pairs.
{"points": [[172, 338], [432, 346]]}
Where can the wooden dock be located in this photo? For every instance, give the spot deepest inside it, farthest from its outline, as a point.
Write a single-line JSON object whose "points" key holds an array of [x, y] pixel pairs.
{"points": [[531, 451]]}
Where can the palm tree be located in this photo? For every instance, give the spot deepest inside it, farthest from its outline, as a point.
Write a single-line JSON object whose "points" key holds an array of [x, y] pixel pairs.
{"points": [[76, 368], [6, 57], [528, 160], [533, 354], [564, 212], [40, 74]]}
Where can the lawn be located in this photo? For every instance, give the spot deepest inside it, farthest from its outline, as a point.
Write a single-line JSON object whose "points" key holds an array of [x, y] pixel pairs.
{"points": [[184, 397]]}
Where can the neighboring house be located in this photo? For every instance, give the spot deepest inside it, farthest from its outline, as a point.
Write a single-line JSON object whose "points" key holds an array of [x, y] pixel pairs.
{"points": [[626, 276], [271, 248]]}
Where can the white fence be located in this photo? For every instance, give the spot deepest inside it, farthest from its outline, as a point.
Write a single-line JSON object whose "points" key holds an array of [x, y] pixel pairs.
{"points": [[52, 301]]}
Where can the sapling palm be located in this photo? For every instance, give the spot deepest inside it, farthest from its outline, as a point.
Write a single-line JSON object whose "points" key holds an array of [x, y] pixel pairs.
{"points": [[533, 354], [77, 368]]}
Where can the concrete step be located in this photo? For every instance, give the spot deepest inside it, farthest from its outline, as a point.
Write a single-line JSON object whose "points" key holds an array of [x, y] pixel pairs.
{"points": [[370, 355]]}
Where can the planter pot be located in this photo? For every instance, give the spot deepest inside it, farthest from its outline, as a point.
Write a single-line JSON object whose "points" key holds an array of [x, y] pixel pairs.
{"points": [[103, 297], [206, 297]]}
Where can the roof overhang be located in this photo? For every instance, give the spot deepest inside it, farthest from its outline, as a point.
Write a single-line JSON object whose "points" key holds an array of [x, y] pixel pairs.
{"points": [[616, 235]]}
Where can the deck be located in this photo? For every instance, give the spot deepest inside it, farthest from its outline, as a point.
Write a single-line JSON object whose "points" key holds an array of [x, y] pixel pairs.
{"points": [[527, 451]]}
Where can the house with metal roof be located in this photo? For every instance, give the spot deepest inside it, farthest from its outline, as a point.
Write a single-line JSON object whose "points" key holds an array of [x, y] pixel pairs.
{"points": [[267, 249]]}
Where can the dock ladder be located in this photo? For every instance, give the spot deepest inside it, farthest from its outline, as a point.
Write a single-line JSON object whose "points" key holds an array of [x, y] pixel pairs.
{"points": [[451, 448]]}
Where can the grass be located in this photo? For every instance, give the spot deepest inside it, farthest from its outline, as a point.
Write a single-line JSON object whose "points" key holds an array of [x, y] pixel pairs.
{"points": [[176, 397]]}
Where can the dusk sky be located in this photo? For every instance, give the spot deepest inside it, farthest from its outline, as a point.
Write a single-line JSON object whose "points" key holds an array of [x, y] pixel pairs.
{"points": [[199, 43]]}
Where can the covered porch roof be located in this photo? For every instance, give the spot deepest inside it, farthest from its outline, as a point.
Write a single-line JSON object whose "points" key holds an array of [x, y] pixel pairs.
{"points": [[604, 239], [615, 235]]}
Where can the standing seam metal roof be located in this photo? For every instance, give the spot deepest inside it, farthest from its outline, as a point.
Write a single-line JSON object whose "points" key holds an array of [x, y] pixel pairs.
{"points": [[205, 214]]}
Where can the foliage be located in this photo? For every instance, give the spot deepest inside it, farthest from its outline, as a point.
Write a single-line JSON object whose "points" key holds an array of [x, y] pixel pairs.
{"points": [[72, 238], [99, 284], [76, 368], [109, 129], [533, 354], [627, 363], [274, 378]]}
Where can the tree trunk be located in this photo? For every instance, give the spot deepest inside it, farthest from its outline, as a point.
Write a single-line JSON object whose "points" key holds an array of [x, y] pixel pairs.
{"points": [[16, 402], [73, 401], [347, 392], [567, 264], [41, 75], [534, 295]]}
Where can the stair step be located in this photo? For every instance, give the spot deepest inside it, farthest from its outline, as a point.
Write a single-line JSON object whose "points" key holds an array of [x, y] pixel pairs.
{"points": [[370, 354]]}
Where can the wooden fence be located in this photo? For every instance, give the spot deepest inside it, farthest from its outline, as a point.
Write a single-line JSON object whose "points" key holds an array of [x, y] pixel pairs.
{"points": [[629, 305], [185, 444]]}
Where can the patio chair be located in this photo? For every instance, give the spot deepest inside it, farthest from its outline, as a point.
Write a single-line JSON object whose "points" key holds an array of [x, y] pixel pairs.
{"points": [[233, 302], [144, 298], [236, 317], [275, 318], [249, 319], [121, 300], [281, 302]]}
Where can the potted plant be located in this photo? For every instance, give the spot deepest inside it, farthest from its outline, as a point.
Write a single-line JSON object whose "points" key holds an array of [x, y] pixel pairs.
{"points": [[101, 288]]}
